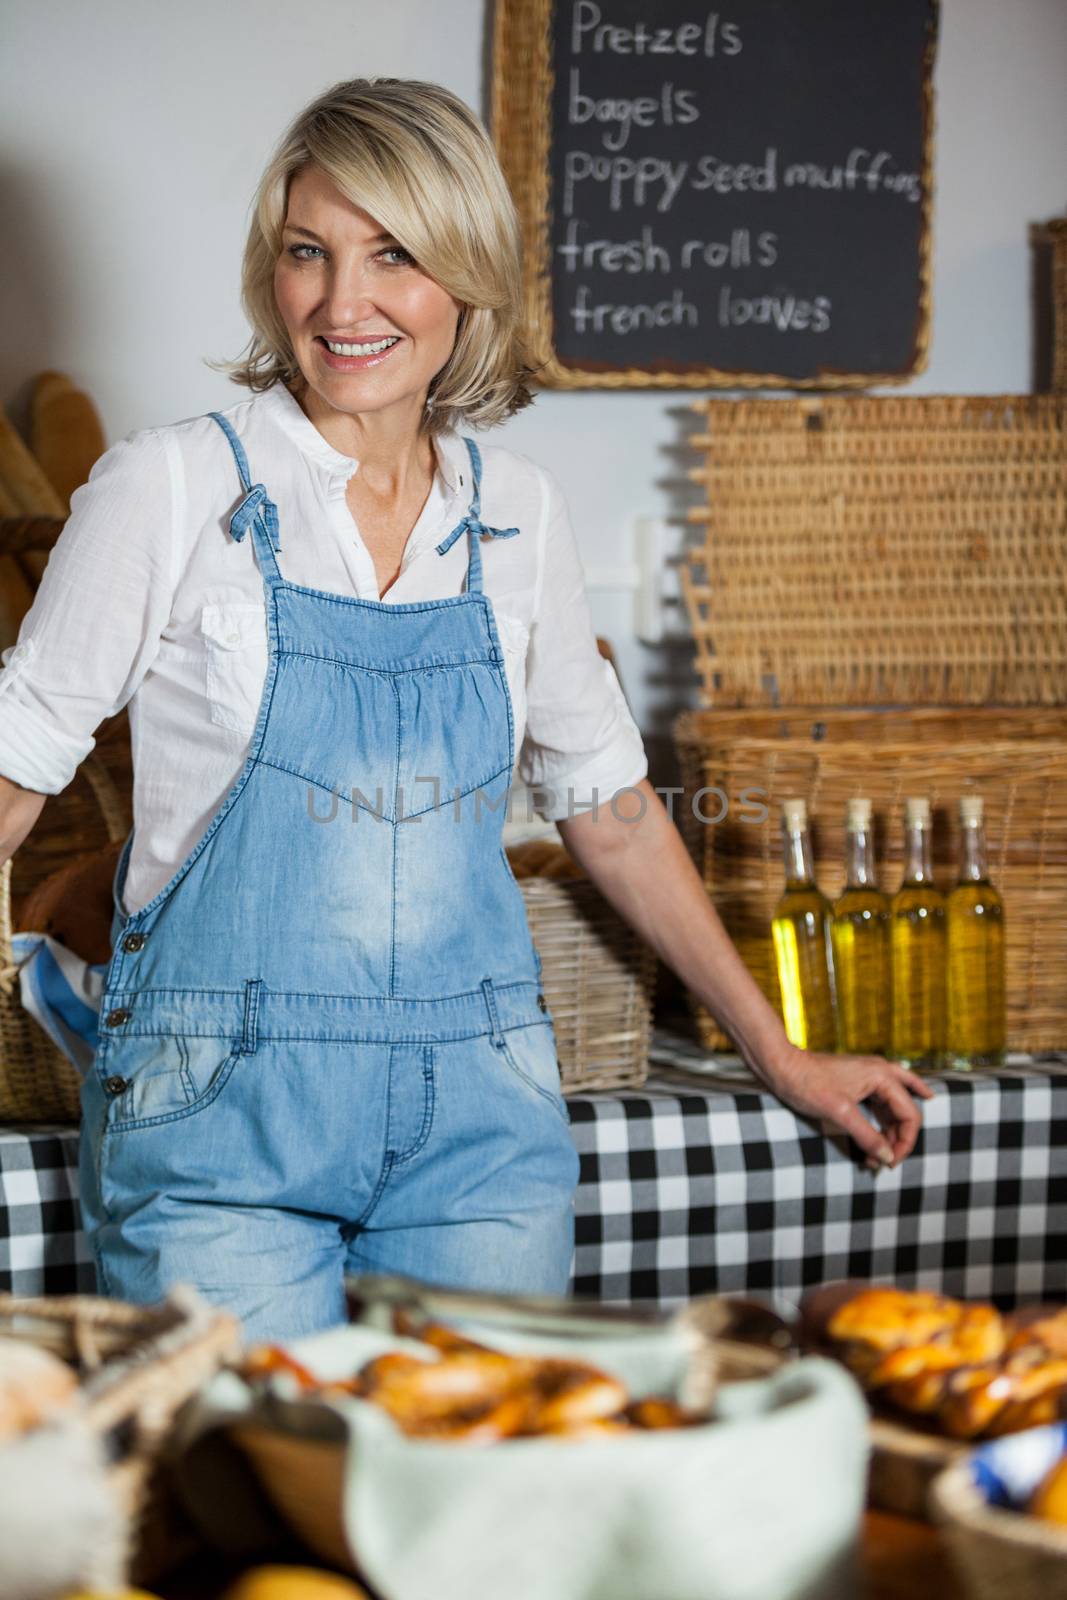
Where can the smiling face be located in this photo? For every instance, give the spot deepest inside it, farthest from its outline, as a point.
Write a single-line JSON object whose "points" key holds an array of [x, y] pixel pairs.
{"points": [[340, 277]]}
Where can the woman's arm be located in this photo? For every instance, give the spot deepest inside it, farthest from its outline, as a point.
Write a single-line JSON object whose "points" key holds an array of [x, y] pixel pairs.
{"points": [[19, 810], [639, 862], [94, 627]]}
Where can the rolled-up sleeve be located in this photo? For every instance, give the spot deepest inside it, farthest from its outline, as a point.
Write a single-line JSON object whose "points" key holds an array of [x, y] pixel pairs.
{"points": [[94, 626], [581, 744]]}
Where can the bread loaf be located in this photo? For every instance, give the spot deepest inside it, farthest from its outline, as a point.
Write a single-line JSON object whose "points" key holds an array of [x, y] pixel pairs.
{"points": [[75, 904], [34, 1385], [542, 858]]}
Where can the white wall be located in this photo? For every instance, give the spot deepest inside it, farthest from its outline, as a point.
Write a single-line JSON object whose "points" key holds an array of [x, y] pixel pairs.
{"points": [[134, 132]]}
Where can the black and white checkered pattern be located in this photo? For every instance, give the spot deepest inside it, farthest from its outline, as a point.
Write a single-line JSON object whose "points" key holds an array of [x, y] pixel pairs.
{"points": [[701, 1183], [42, 1247]]}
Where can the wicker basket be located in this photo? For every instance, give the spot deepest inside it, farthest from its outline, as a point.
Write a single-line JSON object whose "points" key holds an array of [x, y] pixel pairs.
{"points": [[599, 980], [303, 1473], [881, 551], [37, 1081], [138, 1365], [1000, 1554], [1016, 759]]}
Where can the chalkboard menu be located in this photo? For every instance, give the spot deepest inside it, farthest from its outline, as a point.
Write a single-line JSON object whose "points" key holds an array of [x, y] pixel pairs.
{"points": [[735, 197]]}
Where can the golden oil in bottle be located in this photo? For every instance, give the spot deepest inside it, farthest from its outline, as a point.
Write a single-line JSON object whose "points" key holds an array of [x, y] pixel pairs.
{"points": [[801, 934], [918, 936], [975, 912], [860, 936]]}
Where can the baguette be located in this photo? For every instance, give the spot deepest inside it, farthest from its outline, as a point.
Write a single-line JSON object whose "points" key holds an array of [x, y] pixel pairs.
{"points": [[66, 436]]}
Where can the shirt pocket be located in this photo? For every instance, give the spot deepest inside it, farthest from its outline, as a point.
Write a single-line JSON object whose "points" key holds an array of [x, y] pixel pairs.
{"points": [[235, 657], [514, 641]]}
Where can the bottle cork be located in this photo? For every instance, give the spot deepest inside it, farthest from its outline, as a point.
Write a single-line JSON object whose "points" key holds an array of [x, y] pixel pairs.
{"points": [[917, 811], [794, 813], [971, 808], [859, 816]]}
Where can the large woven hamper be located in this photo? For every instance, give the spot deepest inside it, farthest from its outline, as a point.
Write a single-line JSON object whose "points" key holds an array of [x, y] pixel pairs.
{"points": [[599, 981], [878, 609], [1016, 761]]}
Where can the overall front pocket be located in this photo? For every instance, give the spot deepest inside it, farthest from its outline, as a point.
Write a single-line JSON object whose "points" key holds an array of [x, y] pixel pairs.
{"points": [[167, 1078], [530, 1052]]}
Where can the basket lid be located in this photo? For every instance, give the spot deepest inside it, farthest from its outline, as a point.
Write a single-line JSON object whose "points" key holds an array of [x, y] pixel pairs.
{"points": [[870, 550]]}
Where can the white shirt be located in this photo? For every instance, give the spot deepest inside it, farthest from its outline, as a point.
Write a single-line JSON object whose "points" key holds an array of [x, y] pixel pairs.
{"points": [[147, 600]]}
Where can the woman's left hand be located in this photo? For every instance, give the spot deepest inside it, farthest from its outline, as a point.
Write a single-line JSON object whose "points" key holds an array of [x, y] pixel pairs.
{"points": [[642, 867], [833, 1087]]}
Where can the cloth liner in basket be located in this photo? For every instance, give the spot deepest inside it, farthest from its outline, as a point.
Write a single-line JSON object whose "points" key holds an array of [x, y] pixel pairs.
{"points": [[762, 1503]]}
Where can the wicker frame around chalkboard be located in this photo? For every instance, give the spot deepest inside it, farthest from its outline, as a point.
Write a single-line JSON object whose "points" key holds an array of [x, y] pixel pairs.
{"points": [[520, 121]]}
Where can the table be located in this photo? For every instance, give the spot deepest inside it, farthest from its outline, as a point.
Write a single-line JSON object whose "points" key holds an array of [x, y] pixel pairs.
{"points": [[698, 1183], [899, 1560]]}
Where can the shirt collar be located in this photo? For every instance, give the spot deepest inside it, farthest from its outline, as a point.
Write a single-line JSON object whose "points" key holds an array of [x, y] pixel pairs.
{"points": [[453, 461]]}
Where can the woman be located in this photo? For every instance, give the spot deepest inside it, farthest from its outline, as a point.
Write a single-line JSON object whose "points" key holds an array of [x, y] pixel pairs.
{"points": [[323, 1045]]}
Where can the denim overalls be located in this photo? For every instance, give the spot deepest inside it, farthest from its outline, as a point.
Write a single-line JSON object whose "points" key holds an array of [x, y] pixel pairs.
{"points": [[323, 1044]]}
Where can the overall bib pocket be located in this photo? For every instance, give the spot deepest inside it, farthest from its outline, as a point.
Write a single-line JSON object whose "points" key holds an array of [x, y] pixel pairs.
{"points": [[164, 1079], [530, 1052]]}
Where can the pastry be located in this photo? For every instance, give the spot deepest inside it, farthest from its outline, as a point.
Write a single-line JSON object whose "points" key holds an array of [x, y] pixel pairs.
{"points": [[965, 1368], [1050, 1497]]}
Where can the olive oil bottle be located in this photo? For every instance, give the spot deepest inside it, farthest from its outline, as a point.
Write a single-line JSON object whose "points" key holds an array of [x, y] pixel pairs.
{"points": [[918, 933], [975, 911], [860, 937], [801, 933]]}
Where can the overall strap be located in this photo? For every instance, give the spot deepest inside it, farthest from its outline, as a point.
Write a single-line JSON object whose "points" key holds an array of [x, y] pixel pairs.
{"points": [[265, 533], [473, 526]]}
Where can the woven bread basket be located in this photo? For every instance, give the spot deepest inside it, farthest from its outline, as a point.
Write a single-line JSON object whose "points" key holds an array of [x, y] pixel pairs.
{"points": [[37, 1081], [598, 977], [303, 1472], [1000, 1554], [1016, 760], [137, 1366]]}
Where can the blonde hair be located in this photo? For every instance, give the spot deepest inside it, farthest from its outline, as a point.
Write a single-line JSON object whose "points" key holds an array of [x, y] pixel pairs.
{"points": [[418, 161]]}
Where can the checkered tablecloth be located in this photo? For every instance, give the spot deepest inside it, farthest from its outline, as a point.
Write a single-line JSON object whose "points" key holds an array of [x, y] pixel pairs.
{"points": [[700, 1183]]}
